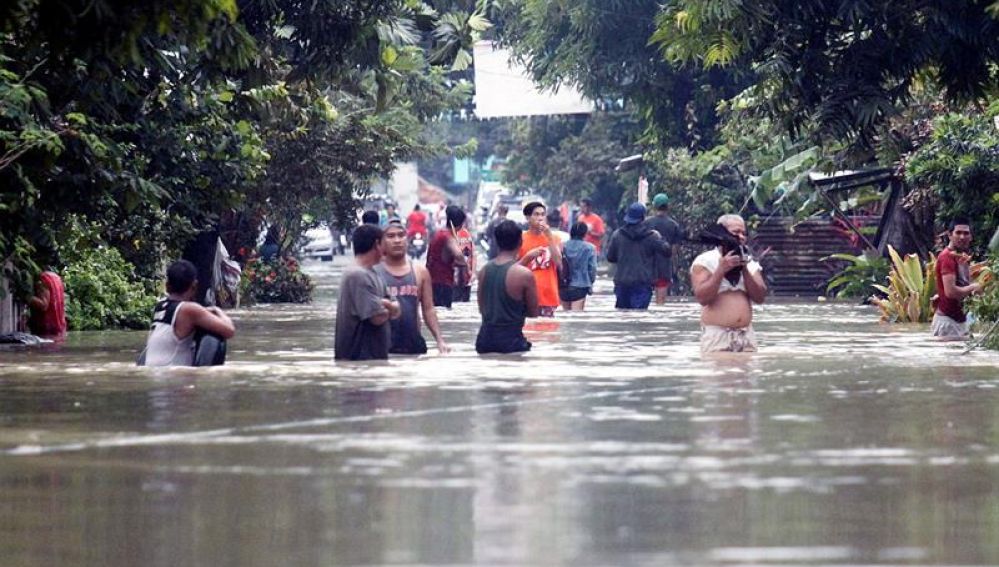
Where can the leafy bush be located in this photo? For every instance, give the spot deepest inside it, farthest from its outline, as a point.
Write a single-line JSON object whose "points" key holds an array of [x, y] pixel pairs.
{"points": [[102, 290], [985, 307], [961, 164], [860, 277], [277, 281], [911, 286]]}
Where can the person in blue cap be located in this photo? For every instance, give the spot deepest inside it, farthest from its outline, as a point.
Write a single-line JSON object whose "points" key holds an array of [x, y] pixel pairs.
{"points": [[634, 248]]}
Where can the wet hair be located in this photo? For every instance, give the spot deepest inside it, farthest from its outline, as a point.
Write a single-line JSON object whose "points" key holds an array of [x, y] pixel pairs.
{"points": [[416, 207], [529, 208], [180, 276], [578, 231], [502, 209], [555, 218], [508, 235], [956, 221], [366, 237], [455, 216], [586, 201], [369, 217]]}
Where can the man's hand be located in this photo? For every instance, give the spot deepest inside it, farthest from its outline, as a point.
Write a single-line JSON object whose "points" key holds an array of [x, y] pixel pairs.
{"points": [[976, 289], [442, 347], [534, 253], [730, 261], [393, 308]]}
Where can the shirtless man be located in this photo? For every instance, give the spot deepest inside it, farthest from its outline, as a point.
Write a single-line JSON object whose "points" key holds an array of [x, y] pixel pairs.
{"points": [[409, 284], [727, 285], [507, 294]]}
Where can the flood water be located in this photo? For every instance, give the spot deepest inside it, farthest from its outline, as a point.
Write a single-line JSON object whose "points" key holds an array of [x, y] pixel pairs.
{"points": [[612, 443]]}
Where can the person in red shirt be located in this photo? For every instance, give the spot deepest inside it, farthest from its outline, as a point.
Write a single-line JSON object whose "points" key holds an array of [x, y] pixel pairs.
{"points": [[953, 276], [416, 222], [541, 251], [444, 256], [594, 224], [48, 307]]}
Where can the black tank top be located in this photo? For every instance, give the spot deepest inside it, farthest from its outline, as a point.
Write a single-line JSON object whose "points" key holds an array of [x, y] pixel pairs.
{"points": [[498, 307], [406, 337]]}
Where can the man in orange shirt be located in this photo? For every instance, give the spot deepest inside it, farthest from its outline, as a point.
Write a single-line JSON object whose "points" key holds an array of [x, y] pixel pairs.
{"points": [[541, 252], [594, 224]]}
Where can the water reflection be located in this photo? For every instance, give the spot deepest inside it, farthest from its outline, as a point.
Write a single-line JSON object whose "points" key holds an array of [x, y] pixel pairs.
{"points": [[612, 442]]}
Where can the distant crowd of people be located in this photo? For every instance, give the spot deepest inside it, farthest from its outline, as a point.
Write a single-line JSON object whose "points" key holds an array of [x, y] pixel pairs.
{"points": [[386, 298]]}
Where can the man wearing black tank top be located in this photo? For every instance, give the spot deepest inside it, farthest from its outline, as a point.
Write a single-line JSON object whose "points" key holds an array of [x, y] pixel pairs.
{"points": [[409, 284], [507, 294]]}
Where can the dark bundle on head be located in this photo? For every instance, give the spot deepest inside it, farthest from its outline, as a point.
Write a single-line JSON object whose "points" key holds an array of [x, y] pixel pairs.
{"points": [[718, 235]]}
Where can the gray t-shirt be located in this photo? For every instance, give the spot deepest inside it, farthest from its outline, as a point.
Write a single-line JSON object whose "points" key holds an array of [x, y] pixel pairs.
{"points": [[355, 337]]}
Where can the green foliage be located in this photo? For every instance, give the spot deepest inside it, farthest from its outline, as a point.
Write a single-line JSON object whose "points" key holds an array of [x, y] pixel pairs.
{"points": [[985, 306], [102, 290], [910, 288], [960, 164], [860, 276], [602, 47], [843, 66], [278, 281]]}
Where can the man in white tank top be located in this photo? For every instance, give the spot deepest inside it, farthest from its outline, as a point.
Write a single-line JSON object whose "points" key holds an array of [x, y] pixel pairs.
{"points": [[176, 318], [726, 284]]}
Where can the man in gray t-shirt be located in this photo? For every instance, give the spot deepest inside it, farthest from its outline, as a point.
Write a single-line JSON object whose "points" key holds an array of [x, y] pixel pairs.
{"points": [[363, 309]]}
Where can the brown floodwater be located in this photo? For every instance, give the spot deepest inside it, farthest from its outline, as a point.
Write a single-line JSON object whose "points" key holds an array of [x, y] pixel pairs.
{"points": [[843, 441]]}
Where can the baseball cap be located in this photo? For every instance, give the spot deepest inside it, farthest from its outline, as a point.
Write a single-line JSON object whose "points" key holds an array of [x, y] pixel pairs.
{"points": [[635, 213], [660, 200]]}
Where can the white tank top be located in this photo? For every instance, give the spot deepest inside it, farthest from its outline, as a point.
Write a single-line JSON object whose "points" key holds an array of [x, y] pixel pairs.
{"points": [[163, 348]]}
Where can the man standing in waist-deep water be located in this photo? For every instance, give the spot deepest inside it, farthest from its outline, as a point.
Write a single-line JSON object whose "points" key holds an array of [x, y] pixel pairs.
{"points": [[409, 284], [953, 274], [726, 283], [444, 255], [364, 308], [541, 252], [507, 294]]}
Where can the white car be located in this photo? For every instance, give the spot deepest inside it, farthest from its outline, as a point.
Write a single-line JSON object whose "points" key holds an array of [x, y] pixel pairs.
{"points": [[319, 244]]}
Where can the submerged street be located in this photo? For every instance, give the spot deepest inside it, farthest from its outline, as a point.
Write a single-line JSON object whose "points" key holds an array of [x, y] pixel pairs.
{"points": [[613, 442]]}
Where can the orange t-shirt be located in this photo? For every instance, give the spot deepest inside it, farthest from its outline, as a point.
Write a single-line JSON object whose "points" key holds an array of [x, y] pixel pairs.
{"points": [[545, 271], [593, 224]]}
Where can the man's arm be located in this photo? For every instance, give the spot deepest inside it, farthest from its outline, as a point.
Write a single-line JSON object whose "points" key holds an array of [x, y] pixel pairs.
{"points": [[427, 306], [480, 289], [40, 301], [756, 286], [457, 258], [530, 296], [211, 319], [954, 291], [612, 249]]}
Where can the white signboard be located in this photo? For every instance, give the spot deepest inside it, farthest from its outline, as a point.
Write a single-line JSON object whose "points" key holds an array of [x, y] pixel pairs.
{"points": [[504, 89]]}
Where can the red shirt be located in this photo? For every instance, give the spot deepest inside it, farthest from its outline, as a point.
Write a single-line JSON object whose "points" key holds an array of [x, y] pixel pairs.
{"points": [[950, 262], [594, 224], [416, 223], [440, 264]]}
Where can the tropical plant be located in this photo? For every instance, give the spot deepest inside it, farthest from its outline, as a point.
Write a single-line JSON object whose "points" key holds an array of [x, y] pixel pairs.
{"points": [[861, 276], [909, 291]]}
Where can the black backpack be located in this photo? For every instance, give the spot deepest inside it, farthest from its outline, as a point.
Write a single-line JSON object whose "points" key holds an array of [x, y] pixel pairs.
{"points": [[564, 272]]}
